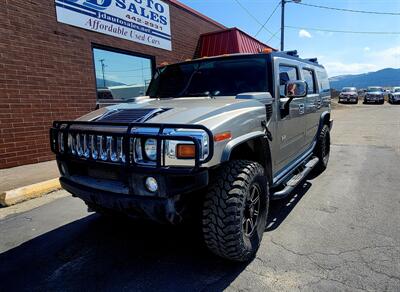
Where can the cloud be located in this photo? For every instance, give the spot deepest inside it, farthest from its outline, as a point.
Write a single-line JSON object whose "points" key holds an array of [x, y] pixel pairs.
{"points": [[389, 57], [340, 68], [375, 60], [304, 34]]}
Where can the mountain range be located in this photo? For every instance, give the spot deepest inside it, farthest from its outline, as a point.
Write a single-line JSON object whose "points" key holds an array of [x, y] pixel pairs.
{"points": [[387, 77]]}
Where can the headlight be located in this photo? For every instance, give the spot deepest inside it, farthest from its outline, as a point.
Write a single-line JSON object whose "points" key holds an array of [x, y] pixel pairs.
{"points": [[150, 148], [185, 149]]}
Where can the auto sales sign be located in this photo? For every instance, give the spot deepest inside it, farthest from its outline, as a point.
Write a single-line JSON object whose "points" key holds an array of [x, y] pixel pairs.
{"points": [[142, 21]]}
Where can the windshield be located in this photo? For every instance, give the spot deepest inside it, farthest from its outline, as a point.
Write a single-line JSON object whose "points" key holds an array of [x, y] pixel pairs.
{"points": [[397, 90], [349, 89], [372, 89], [214, 77]]}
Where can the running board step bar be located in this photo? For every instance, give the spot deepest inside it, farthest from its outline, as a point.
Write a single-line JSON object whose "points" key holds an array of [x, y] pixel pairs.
{"points": [[292, 183]]}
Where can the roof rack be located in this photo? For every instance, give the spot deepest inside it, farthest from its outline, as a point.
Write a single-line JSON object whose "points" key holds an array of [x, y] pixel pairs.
{"points": [[313, 60], [292, 53]]}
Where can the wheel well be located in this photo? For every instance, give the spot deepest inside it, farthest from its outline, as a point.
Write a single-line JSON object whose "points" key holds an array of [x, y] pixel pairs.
{"points": [[326, 119], [256, 149]]}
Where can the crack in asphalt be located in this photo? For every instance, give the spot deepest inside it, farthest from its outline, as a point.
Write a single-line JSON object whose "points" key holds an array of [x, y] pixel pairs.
{"points": [[327, 271]]}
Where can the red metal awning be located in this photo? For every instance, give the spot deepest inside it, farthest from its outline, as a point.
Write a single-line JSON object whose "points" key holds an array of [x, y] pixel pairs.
{"points": [[228, 41]]}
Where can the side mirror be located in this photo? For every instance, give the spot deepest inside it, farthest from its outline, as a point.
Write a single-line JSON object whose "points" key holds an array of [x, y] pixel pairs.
{"points": [[296, 89]]}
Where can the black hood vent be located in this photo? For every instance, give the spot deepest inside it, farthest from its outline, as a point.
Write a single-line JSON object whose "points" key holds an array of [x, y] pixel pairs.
{"points": [[131, 115]]}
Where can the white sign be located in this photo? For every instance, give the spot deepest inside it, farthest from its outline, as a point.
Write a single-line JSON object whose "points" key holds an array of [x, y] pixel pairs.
{"points": [[143, 21]]}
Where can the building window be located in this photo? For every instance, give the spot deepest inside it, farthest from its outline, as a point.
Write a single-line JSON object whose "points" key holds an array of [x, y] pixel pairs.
{"points": [[121, 76]]}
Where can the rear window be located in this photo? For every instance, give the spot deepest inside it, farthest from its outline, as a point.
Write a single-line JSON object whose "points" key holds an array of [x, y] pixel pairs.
{"points": [[323, 80], [309, 78]]}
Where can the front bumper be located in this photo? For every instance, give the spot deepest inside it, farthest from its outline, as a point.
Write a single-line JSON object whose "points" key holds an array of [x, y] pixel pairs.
{"points": [[374, 99], [348, 99], [125, 192]]}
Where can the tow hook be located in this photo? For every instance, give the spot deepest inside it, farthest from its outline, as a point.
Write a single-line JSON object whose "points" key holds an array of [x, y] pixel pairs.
{"points": [[268, 134]]}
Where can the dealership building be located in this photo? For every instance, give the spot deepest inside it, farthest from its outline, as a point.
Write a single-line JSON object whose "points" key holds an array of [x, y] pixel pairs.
{"points": [[61, 59]]}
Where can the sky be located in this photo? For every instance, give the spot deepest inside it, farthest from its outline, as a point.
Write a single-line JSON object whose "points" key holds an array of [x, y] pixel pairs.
{"points": [[122, 68], [340, 53]]}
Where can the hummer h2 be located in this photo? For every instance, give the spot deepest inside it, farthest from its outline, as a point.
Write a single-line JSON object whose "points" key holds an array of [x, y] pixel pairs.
{"points": [[221, 135]]}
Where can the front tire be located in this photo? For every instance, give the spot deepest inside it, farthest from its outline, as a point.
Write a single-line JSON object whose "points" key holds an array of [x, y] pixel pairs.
{"points": [[235, 210], [322, 149]]}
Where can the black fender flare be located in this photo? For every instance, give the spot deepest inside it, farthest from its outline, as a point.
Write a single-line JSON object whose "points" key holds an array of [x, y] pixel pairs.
{"points": [[325, 119], [231, 145]]}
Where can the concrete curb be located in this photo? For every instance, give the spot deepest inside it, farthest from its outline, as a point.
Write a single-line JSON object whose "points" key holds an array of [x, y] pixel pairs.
{"points": [[15, 196]]}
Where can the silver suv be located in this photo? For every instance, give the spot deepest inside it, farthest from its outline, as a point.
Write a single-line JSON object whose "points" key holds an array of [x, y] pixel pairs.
{"points": [[394, 95], [348, 94], [374, 94], [215, 139]]}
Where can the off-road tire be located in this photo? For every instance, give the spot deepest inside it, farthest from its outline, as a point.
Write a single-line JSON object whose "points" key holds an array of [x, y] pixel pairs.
{"points": [[322, 150], [225, 208]]}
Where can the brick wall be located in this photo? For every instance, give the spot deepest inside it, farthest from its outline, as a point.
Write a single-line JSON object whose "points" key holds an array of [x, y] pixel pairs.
{"points": [[47, 73]]}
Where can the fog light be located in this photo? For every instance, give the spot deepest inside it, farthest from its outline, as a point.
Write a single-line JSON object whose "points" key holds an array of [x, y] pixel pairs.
{"points": [[151, 184]]}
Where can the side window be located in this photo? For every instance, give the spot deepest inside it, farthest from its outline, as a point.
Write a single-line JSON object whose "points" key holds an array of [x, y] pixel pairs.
{"points": [[309, 78], [323, 81], [286, 73]]}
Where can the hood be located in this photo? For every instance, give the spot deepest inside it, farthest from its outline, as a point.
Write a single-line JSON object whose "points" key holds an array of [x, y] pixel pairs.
{"points": [[191, 110], [349, 93], [396, 93]]}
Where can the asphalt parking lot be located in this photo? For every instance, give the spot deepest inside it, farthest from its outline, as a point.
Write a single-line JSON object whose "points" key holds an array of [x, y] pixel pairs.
{"points": [[337, 232]]}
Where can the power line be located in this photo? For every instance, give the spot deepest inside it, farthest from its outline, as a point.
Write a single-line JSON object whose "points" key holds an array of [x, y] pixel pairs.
{"points": [[348, 10], [263, 26], [273, 35], [347, 31], [252, 16]]}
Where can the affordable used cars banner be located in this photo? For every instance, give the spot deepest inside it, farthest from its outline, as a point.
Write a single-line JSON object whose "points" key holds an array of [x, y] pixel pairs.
{"points": [[142, 21]]}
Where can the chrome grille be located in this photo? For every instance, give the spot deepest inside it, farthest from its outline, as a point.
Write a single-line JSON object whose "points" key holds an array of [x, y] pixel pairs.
{"points": [[97, 147]]}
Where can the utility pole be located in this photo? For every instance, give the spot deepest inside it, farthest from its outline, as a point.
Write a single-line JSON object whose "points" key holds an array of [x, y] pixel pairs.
{"points": [[283, 2], [103, 66]]}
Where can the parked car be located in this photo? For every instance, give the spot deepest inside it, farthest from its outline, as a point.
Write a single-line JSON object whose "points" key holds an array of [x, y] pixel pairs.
{"points": [[374, 94], [348, 94], [216, 140], [394, 96]]}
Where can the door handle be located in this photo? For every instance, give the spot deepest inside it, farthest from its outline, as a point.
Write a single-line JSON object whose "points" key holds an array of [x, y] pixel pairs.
{"points": [[301, 108]]}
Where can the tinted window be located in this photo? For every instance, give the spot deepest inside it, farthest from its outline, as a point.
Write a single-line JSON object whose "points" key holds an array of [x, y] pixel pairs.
{"points": [[121, 76], [218, 77], [310, 80], [286, 73], [324, 82]]}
